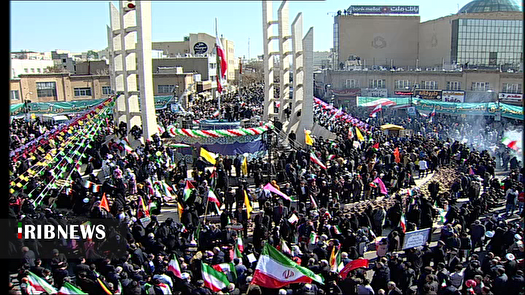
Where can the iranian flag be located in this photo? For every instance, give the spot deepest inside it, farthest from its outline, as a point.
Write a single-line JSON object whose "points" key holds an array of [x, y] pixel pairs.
{"points": [[40, 284], [275, 270], [313, 238], [174, 266], [403, 223], [350, 133], [510, 143], [222, 64], [240, 244], [67, 288], [236, 252], [226, 268], [213, 198], [213, 279], [316, 160], [375, 110]]}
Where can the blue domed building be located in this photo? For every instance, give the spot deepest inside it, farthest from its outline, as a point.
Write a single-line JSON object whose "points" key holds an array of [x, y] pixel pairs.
{"points": [[479, 6]]}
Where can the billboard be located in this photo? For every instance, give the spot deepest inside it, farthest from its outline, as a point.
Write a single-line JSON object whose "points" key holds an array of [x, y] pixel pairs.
{"points": [[453, 96], [510, 97], [379, 92], [416, 238], [383, 9], [428, 94], [348, 92]]}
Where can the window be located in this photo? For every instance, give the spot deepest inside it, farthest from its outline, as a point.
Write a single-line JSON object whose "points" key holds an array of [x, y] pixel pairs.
{"points": [[165, 88], [511, 88], [377, 83], [106, 90], [39, 70], [453, 85], [26, 70], [402, 84], [46, 89], [480, 86], [15, 95], [429, 85], [86, 91], [351, 83]]}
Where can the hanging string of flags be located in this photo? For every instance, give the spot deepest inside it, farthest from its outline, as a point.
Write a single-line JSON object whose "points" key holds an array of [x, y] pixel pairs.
{"points": [[218, 133], [44, 139], [64, 155], [341, 115], [59, 181]]}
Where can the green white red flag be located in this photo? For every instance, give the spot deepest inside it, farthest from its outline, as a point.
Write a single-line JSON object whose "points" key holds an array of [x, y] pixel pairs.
{"points": [[316, 160], [174, 266], [403, 223], [213, 279], [240, 244], [212, 197], [39, 284], [275, 270], [67, 288], [313, 238]]}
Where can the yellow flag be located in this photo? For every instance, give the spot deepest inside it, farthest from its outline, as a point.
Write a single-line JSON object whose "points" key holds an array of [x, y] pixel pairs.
{"points": [[244, 167], [249, 208], [307, 138], [359, 135], [179, 207], [33, 116], [208, 156]]}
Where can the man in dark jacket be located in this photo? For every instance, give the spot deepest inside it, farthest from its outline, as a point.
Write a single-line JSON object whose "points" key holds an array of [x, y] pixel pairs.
{"points": [[381, 277], [516, 284], [393, 289], [500, 282], [201, 290], [407, 277]]}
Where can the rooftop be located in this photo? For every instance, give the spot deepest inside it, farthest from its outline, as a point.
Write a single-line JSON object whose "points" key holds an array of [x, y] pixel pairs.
{"points": [[489, 6]]}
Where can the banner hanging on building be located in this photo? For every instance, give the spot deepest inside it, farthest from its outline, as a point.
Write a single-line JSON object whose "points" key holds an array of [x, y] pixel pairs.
{"points": [[510, 97], [428, 94], [384, 9], [453, 96]]}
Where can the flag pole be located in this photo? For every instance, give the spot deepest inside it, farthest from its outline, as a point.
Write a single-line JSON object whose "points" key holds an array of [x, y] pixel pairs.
{"points": [[207, 201], [218, 69]]}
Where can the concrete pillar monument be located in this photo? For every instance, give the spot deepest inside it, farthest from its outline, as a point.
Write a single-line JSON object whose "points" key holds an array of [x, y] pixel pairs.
{"points": [[129, 40]]}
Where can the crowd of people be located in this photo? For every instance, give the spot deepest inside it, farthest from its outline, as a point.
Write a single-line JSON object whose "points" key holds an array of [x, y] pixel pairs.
{"points": [[479, 250]]}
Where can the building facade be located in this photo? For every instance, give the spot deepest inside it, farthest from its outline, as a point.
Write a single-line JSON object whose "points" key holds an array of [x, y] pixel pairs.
{"points": [[483, 34], [199, 45], [52, 87], [457, 86], [29, 66], [58, 87]]}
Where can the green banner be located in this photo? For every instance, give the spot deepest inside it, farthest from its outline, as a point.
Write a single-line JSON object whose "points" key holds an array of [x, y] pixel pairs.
{"points": [[75, 106], [454, 108]]}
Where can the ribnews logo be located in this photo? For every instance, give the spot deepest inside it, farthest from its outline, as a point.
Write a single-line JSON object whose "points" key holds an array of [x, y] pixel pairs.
{"points": [[84, 231]]}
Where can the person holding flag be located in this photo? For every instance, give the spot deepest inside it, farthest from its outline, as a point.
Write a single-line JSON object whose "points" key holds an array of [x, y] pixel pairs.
{"points": [[308, 140]]}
